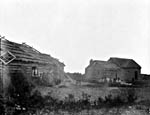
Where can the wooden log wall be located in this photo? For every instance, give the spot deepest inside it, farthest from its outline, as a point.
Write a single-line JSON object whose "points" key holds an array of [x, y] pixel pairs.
{"points": [[27, 58]]}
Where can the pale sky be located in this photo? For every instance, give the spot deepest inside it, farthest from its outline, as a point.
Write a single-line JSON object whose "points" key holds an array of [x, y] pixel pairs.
{"points": [[75, 31]]}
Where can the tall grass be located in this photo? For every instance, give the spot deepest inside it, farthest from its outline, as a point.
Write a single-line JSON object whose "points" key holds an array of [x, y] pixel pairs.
{"points": [[20, 95]]}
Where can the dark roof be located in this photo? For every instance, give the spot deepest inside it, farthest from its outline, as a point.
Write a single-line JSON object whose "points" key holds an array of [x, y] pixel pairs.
{"points": [[24, 52], [104, 64], [124, 63]]}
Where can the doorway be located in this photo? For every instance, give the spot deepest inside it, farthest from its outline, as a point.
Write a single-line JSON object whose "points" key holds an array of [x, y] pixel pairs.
{"points": [[136, 75]]}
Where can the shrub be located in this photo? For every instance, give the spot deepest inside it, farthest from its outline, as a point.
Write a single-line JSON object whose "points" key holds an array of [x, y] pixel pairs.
{"points": [[1, 105], [20, 94], [20, 88], [108, 99], [131, 95], [114, 101]]}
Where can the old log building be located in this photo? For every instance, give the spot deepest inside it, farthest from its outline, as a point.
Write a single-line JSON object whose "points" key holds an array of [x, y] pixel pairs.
{"points": [[34, 65]]}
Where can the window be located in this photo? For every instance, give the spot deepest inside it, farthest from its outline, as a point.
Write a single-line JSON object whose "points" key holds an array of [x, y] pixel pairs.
{"points": [[34, 71]]}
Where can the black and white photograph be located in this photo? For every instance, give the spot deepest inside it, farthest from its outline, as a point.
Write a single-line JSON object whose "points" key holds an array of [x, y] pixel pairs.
{"points": [[74, 57]]}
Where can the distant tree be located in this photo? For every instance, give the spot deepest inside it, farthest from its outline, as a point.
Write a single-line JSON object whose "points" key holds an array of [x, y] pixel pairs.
{"points": [[76, 76]]}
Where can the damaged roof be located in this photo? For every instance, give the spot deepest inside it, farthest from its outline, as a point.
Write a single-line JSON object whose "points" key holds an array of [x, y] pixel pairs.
{"points": [[124, 63], [24, 52], [104, 64]]}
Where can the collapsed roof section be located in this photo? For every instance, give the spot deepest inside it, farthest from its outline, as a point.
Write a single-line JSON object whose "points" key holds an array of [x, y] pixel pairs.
{"points": [[26, 53]]}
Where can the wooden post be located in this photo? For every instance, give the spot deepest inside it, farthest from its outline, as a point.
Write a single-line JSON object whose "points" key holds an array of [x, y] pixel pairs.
{"points": [[3, 91], [2, 81]]}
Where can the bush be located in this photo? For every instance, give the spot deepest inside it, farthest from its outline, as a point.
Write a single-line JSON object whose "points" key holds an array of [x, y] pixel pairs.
{"points": [[131, 96], [128, 97], [1, 105], [20, 94]]}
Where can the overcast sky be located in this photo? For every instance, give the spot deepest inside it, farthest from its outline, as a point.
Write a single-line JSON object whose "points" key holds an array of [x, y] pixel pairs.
{"points": [[75, 31]]}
